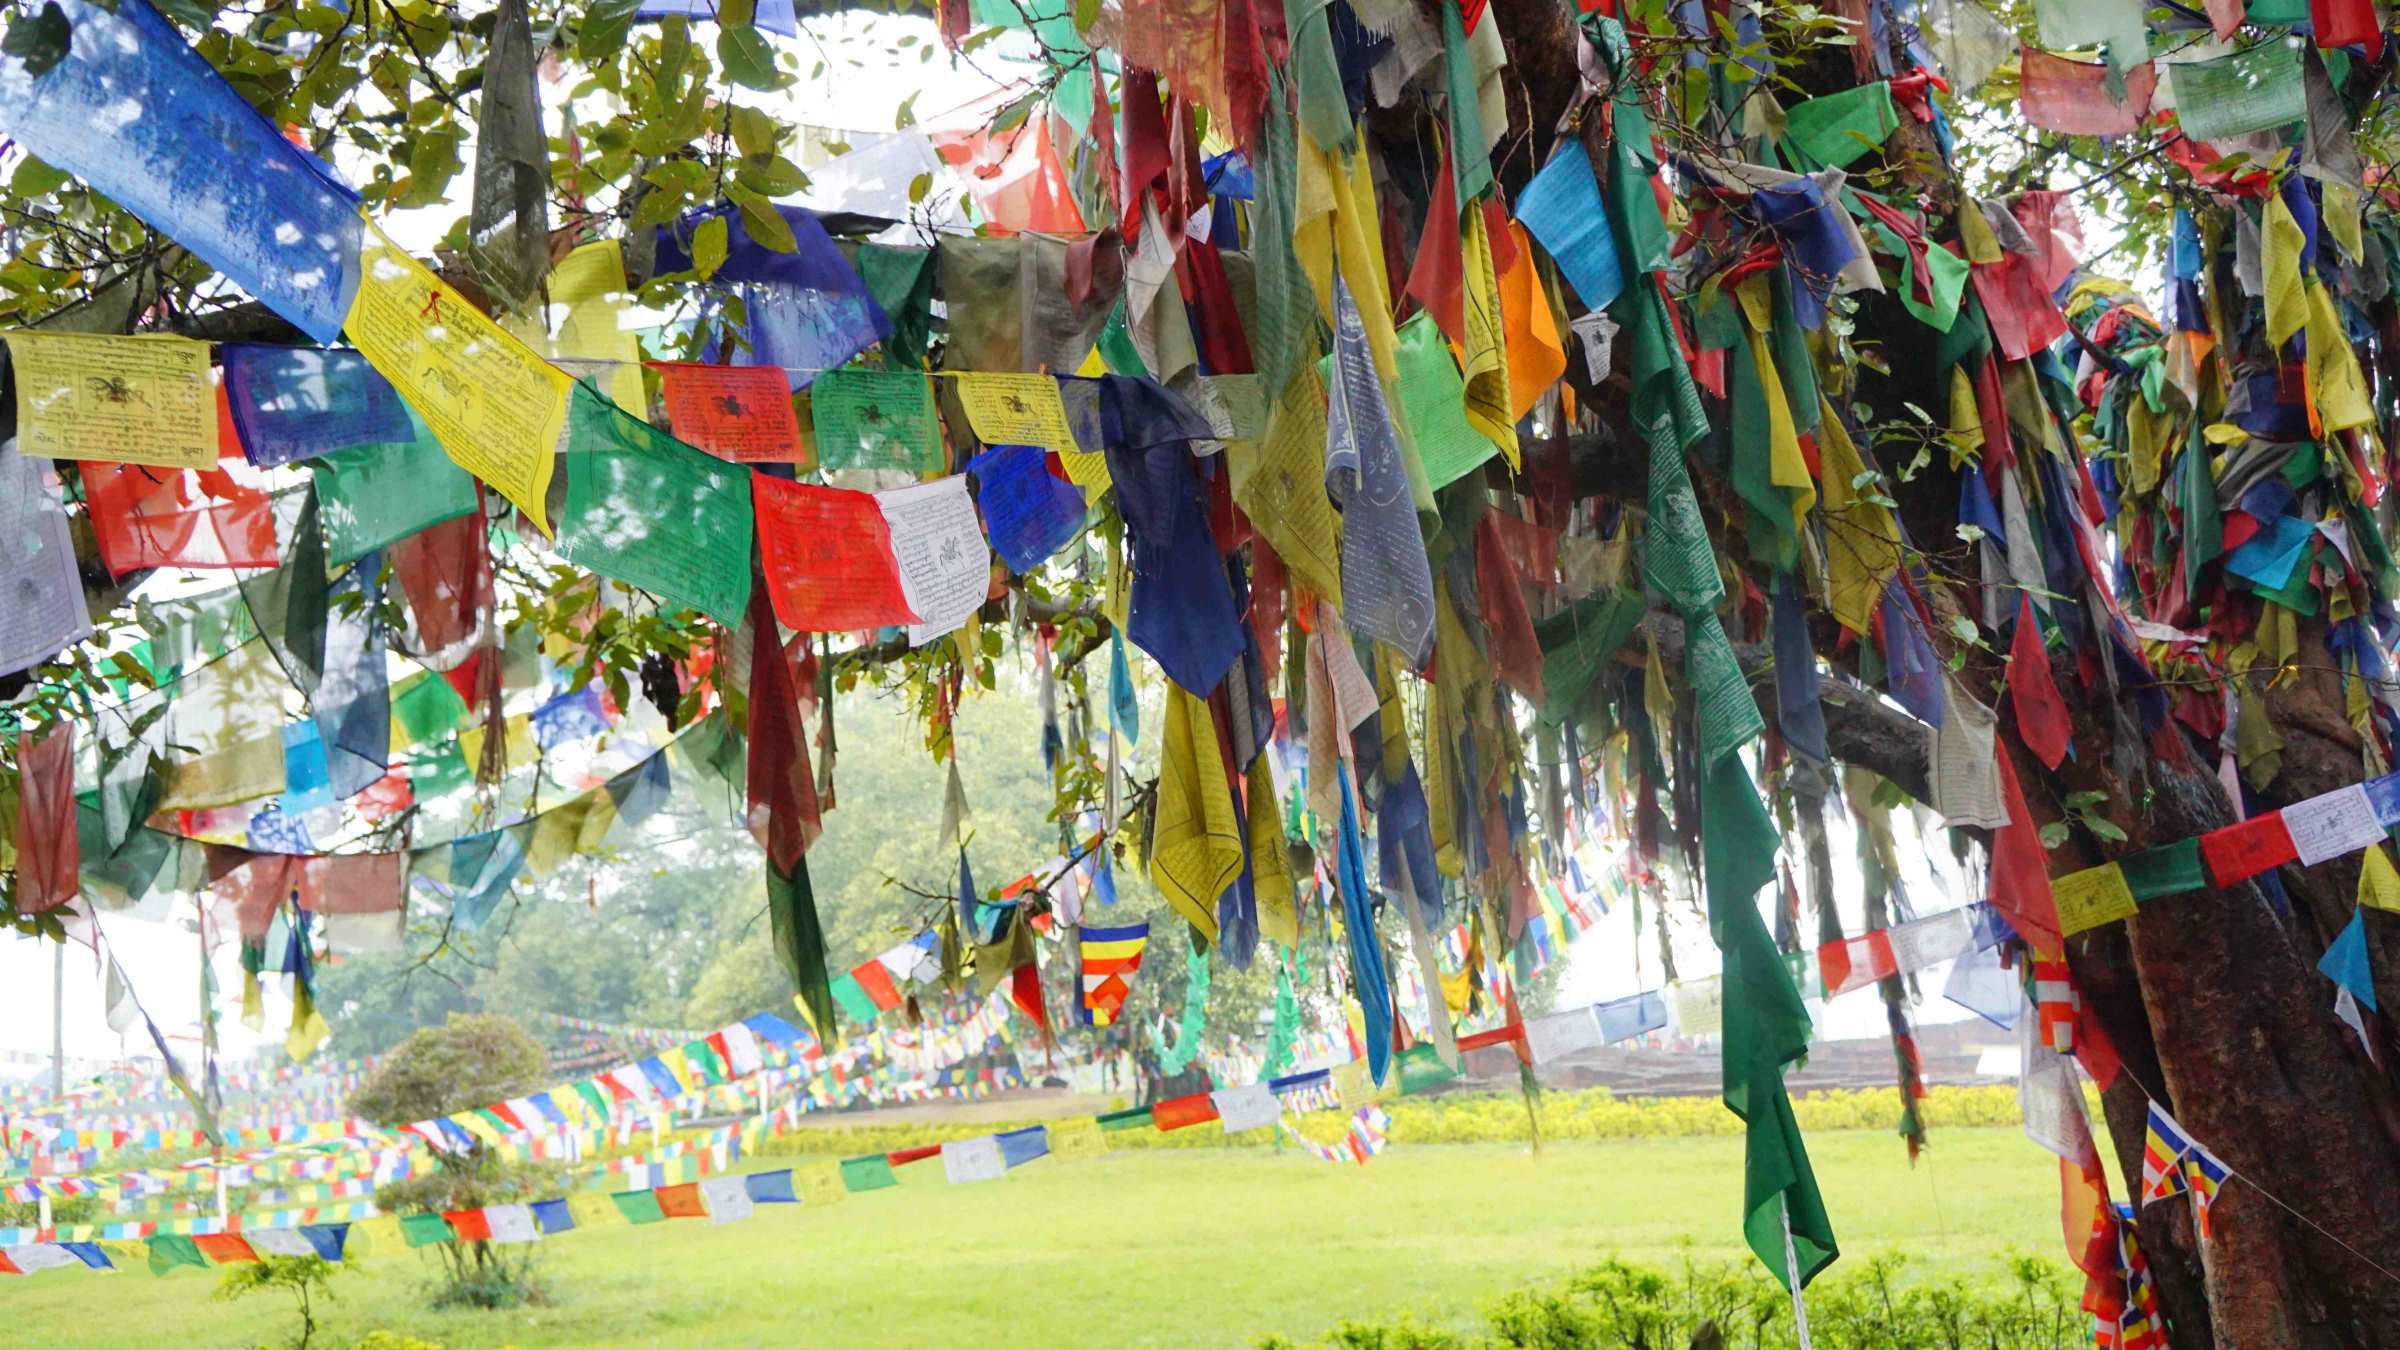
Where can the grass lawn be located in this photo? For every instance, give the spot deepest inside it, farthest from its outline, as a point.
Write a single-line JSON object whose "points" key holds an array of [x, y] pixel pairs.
{"points": [[1198, 1247]]}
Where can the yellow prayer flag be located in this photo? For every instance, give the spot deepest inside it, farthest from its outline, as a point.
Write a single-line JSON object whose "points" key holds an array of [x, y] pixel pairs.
{"points": [[592, 336], [1197, 848], [1077, 1138], [2287, 305], [1018, 409], [1285, 496], [820, 1183], [1270, 865], [1786, 467], [2378, 882], [495, 405], [1862, 540], [127, 400], [1484, 363], [2092, 897], [2336, 389]]}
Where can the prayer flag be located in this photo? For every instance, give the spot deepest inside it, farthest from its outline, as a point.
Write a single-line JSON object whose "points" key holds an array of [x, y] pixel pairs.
{"points": [[1110, 957], [2163, 1151]]}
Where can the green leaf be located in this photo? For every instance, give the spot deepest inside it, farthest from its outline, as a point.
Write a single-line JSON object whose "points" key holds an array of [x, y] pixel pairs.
{"points": [[772, 176], [2104, 827], [906, 116], [1087, 13], [919, 187], [40, 41], [754, 133], [765, 223], [680, 177], [33, 178], [1964, 629], [605, 24], [2054, 834], [748, 58], [708, 247]]}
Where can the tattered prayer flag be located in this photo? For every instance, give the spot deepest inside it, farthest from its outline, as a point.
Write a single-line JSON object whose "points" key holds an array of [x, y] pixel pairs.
{"points": [[48, 853], [2072, 96], [827, 554], [650, 511], [2378, 882], [738, 413], [2041, 713]]}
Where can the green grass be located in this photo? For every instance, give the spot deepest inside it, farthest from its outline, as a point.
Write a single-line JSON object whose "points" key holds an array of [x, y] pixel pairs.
{"points": [[1155, 1248]]}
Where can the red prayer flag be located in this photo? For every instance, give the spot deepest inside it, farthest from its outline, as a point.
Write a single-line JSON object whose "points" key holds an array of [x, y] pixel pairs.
{"points": [[737, 413], [224, 1248], [1516, 652], [2021, 869], [782, 788], [48, 854], [903, 1157], [144, 516], [681, 1202], [1857, 962], [2346, 23], [1438, 279], [469, 1224], [1177, 1112], [2240, 852], [876, 979], [828, 559], [2041, 713], [2072, 96], [445, 572], [1025, 990]]}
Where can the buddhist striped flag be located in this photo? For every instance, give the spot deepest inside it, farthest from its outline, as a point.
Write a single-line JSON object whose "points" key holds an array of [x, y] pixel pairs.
{"points": [[2163, 1153], [2204, 1174], [2055, 1002], [1110, 956]]}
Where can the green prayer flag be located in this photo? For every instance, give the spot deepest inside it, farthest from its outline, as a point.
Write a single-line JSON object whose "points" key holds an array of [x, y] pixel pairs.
{"points": [[1838, 128], [847, 993], [800, 946], [593, 1095], [2255, 89], [1433, 401], [2203, 517], [426, 709], [375, 495], [424, 1230], [870, 1173], [901, 280], [1766, 1029], [638, 1206], [1577, 643], [438, 772], [1767, 508], [876, 419], [1421, 1067], [172, 1250], [1131, 1118], [2170, 869], [648, 510], [1324, 107], [1470, 153]]}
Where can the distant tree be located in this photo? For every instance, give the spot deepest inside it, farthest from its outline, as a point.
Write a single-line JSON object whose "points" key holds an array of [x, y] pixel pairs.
{"points": [[471, 1060]]}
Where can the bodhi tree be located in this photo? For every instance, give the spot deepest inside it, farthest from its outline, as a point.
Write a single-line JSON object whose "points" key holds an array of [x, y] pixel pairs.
{"points": [[1873, 469], [468, 1062]]}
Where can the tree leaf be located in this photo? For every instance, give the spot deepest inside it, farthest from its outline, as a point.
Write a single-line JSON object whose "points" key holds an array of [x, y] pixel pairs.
{"points": [[748, 58], [40, 41], [708, 247], [906, 116], [34, 178], [605, 24], [919, 187], [765, 223], [754, 133]]}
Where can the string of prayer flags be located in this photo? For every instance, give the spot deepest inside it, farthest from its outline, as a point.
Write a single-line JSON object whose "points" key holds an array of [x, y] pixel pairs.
{"points": [[2058, 94]]}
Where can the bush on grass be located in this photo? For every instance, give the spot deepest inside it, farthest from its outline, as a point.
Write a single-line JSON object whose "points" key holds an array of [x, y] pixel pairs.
{"points": [[1736, 1307], [470, 1061]]}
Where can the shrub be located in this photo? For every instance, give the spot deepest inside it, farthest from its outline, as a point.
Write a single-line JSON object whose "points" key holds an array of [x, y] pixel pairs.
{"points": [[470, 1061], [306, 1278], [1640, 1308]]}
